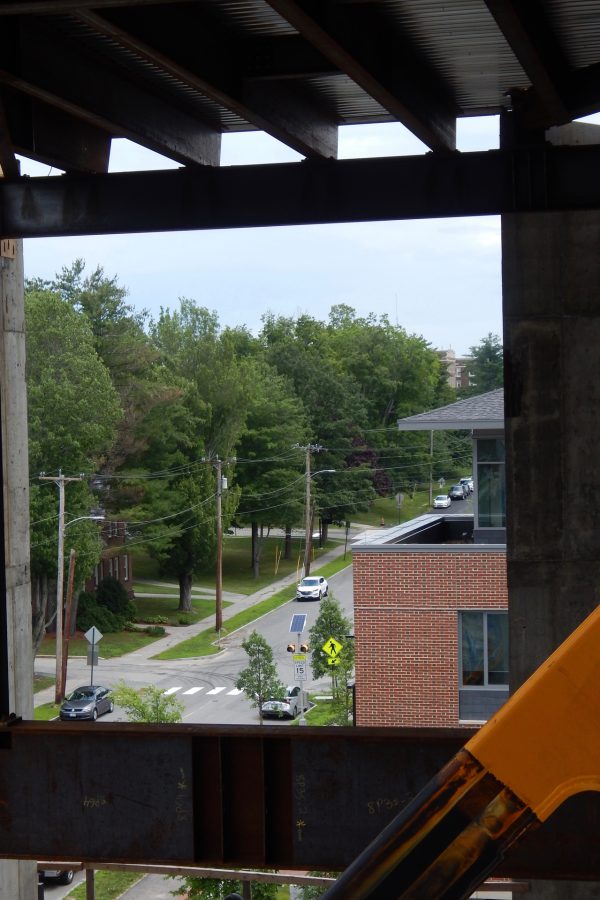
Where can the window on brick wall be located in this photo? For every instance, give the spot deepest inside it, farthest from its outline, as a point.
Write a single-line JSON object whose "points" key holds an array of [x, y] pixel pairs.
{"points": [[483, 649]]}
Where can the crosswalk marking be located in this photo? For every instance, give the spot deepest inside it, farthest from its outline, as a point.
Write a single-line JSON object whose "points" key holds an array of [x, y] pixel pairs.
{"points": [[231, 692]]}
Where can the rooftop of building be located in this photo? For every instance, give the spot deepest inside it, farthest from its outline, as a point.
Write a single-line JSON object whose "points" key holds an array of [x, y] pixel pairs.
{"points": [[483, 412]]}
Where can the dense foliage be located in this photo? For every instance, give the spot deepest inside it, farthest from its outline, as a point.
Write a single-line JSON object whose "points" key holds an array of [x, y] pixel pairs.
{"points": [[147, 407]]}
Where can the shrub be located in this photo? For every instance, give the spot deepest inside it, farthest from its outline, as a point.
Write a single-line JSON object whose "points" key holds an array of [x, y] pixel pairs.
{"points": [[156, 620], [111, 594], [155, 630], [185, 619], [89, 613]]}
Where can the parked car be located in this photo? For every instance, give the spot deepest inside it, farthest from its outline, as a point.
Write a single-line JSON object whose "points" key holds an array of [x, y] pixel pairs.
{"points": [[313, 587], [442, 502], [87, 702], [456, 492], [467, 484], [290, 706], [57, 876]]}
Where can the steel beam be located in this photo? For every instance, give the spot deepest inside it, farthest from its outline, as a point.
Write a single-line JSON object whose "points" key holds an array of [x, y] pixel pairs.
{"points": [[309, 192], [238, 796]]}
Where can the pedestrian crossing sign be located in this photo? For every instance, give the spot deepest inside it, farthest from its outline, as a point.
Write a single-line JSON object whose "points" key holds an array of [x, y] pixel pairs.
{"points": [[332, 647]]}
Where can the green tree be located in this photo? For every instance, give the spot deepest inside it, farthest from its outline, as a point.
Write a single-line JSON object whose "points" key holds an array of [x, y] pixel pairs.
{"points": [[487, 365], [259, 680], [330, 623], [150, 704], [120, 340], [73, 414], [268, 471]]}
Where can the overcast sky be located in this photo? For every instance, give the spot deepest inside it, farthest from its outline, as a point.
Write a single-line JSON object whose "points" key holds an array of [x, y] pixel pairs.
{"points": [[437, 278]]}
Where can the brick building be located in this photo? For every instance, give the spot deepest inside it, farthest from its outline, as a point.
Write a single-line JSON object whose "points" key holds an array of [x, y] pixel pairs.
{"points": [[431, 599], [458, 369], [115, 561]]}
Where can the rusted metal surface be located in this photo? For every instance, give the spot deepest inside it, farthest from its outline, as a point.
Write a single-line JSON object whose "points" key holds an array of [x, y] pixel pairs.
{"points": [[271, 797], [441, 845]]}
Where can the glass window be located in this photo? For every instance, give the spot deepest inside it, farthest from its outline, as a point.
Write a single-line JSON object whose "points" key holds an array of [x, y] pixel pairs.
{"points": [[491, 496], [484, 649], [490, 450]]}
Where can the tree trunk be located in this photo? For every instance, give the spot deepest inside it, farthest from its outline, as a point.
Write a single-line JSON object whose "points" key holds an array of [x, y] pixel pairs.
{"points": [[257, 547], [324, 531], [287, 547], [254, 532], [185, 592]]}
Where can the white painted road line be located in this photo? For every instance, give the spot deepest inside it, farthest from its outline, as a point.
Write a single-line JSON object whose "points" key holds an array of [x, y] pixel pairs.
{"points": [[217, 690], [235, 692], [194, 690], [172, 690]]}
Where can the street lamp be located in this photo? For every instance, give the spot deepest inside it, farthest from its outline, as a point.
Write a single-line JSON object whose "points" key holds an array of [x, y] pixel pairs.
{"points": [[308, 512], [59, 687]]}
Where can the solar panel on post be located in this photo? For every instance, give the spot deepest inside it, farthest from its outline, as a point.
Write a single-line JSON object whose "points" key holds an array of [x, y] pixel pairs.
{"points": [[298, 623]]}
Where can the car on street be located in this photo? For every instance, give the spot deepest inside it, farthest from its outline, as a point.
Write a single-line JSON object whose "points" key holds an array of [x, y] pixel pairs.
{"points": [[442, 502], [467, 484], [289, 707], [57, 876], [87, 702], [456, 492], [313, 587]]}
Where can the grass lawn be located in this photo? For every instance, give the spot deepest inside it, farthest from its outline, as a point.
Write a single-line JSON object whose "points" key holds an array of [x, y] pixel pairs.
{"points": [[111, 645], [203, 644], [108, 885], [167, 606], [385, 507], [237, 571], [46, 712]]}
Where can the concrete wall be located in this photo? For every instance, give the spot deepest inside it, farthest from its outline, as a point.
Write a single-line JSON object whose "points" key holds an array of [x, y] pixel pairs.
{"points": [[551, 289]]}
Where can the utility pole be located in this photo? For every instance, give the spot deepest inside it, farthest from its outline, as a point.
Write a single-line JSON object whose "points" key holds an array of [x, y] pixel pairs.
{"points": [[60, 482], [310, 448], [219, 573], [307, 514]]}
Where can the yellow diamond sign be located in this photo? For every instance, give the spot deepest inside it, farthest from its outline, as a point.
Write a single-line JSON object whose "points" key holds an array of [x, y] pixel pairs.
{"points": [[332, 648]]}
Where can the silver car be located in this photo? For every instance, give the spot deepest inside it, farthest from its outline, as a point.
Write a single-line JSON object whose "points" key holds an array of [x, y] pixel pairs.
{"points": [[290, 706]]}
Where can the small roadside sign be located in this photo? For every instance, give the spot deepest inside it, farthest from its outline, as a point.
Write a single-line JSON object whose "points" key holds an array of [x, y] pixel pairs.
{"points": [[300, 671], [332, 647], [93, 635], [333, 661]]}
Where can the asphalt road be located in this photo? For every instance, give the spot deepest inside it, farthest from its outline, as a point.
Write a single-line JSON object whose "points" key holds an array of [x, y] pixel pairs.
{"points": [[206, 685]]}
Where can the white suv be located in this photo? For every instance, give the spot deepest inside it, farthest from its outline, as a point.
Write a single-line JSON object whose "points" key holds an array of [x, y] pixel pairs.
{"points": [[313, 587]]}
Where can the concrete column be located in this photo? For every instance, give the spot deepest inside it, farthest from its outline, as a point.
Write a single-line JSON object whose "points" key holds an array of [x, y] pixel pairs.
{"points": [[18, 880], [551, 292]]}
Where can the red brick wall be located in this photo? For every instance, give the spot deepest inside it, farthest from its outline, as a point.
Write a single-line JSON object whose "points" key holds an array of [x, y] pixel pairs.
{"points": [[406, 608]]}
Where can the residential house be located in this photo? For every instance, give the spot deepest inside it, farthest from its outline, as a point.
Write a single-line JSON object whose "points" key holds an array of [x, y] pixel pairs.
{"points": [[115, 561]]}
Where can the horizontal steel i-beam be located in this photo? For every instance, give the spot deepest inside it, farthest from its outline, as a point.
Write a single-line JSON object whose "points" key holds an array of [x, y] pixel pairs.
{"points": [[262, 797], [436, 185]]}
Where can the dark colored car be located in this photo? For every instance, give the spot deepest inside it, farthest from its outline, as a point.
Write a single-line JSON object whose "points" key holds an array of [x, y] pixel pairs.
{"points": [[57, 876], [456, 492], [87, 702]]}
